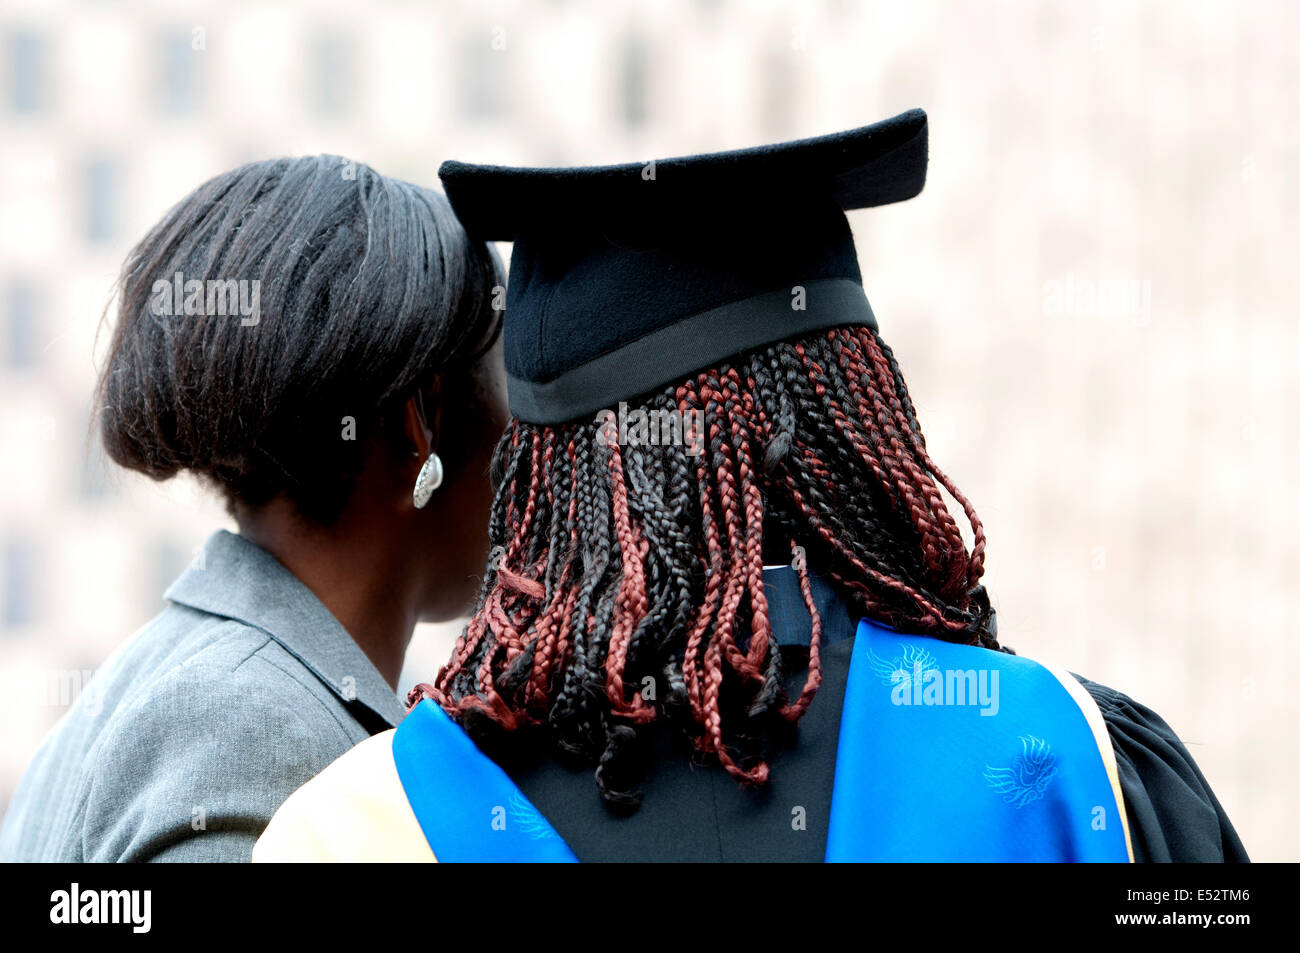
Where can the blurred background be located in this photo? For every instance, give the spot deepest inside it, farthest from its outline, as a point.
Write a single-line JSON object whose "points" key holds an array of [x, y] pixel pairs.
{"points": [[1094, 299]]}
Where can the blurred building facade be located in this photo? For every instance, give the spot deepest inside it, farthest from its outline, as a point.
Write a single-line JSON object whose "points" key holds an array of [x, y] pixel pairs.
{"points": [[1093, 299]]}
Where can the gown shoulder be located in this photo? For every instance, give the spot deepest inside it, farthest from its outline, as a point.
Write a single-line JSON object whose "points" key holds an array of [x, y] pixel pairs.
{"points": [[1173, 815]]}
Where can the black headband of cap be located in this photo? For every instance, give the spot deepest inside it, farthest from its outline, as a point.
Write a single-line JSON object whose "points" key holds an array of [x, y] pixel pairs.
{"points": [[624, 279]]}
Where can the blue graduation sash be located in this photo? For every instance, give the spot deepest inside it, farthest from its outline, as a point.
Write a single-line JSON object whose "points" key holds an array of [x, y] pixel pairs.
{"points": [[946, 753], [469, 809], [955, 753]]}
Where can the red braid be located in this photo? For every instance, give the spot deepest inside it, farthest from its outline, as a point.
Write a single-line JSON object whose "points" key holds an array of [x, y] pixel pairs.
{"points": [[612, 565]]}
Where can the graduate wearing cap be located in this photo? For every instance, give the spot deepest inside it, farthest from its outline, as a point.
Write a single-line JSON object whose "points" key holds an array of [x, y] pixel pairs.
{"points": [[729, 615]]}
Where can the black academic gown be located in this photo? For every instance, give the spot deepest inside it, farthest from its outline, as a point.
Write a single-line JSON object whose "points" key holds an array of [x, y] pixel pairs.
{"points": [[694, 812]]}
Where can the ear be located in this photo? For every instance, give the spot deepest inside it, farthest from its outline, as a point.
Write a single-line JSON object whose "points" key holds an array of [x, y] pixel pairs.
{"points": [[423, 422]]}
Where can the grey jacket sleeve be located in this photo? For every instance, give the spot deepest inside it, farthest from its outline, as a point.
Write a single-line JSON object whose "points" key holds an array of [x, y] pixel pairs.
{"points": [[190, 773]]}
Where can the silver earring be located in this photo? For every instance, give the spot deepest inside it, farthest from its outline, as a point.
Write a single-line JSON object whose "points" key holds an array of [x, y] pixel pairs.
{"points": [[430, 479]]}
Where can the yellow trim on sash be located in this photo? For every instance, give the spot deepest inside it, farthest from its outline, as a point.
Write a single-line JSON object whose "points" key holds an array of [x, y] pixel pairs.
{"points": [[1088, 705], [355, 811]]}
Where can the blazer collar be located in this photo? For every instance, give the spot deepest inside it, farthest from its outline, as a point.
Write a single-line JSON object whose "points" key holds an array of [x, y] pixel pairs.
{"points": [[235, 578]]}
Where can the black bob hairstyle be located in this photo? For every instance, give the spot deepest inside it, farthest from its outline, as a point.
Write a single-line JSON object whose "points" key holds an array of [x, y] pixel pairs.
{"points": [[275, 304]]}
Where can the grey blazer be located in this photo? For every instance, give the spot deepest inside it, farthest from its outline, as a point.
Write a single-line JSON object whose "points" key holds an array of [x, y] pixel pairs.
{"points": [[196, 729]]}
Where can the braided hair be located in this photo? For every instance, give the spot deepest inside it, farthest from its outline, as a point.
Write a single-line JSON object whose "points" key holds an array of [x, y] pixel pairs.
{"points": [[625, 591]]}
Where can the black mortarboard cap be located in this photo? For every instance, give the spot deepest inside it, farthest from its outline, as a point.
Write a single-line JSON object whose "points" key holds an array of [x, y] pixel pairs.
{"points": [[626, 278]]}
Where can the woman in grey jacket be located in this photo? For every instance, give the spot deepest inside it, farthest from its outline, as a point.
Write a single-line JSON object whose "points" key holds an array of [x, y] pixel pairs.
{"points": [[317, 342]]}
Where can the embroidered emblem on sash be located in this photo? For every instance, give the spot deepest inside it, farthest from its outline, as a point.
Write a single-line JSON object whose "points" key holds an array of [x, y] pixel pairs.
{"points": [[526, 818], [901, 668], [1028, 777]]}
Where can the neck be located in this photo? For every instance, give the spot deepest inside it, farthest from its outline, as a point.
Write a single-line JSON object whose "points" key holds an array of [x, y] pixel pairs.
{"points": [[354, 569]]}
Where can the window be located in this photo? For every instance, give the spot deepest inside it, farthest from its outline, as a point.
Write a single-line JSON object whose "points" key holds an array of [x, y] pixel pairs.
{"points": [[333, 76], [180, 64], [633, 82], [101, 200], [28, 58], [481, 65], [21, 324], [18, 582]]}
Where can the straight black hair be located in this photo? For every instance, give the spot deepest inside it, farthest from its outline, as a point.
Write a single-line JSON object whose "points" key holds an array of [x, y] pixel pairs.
{"points": [[315, 296]]}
